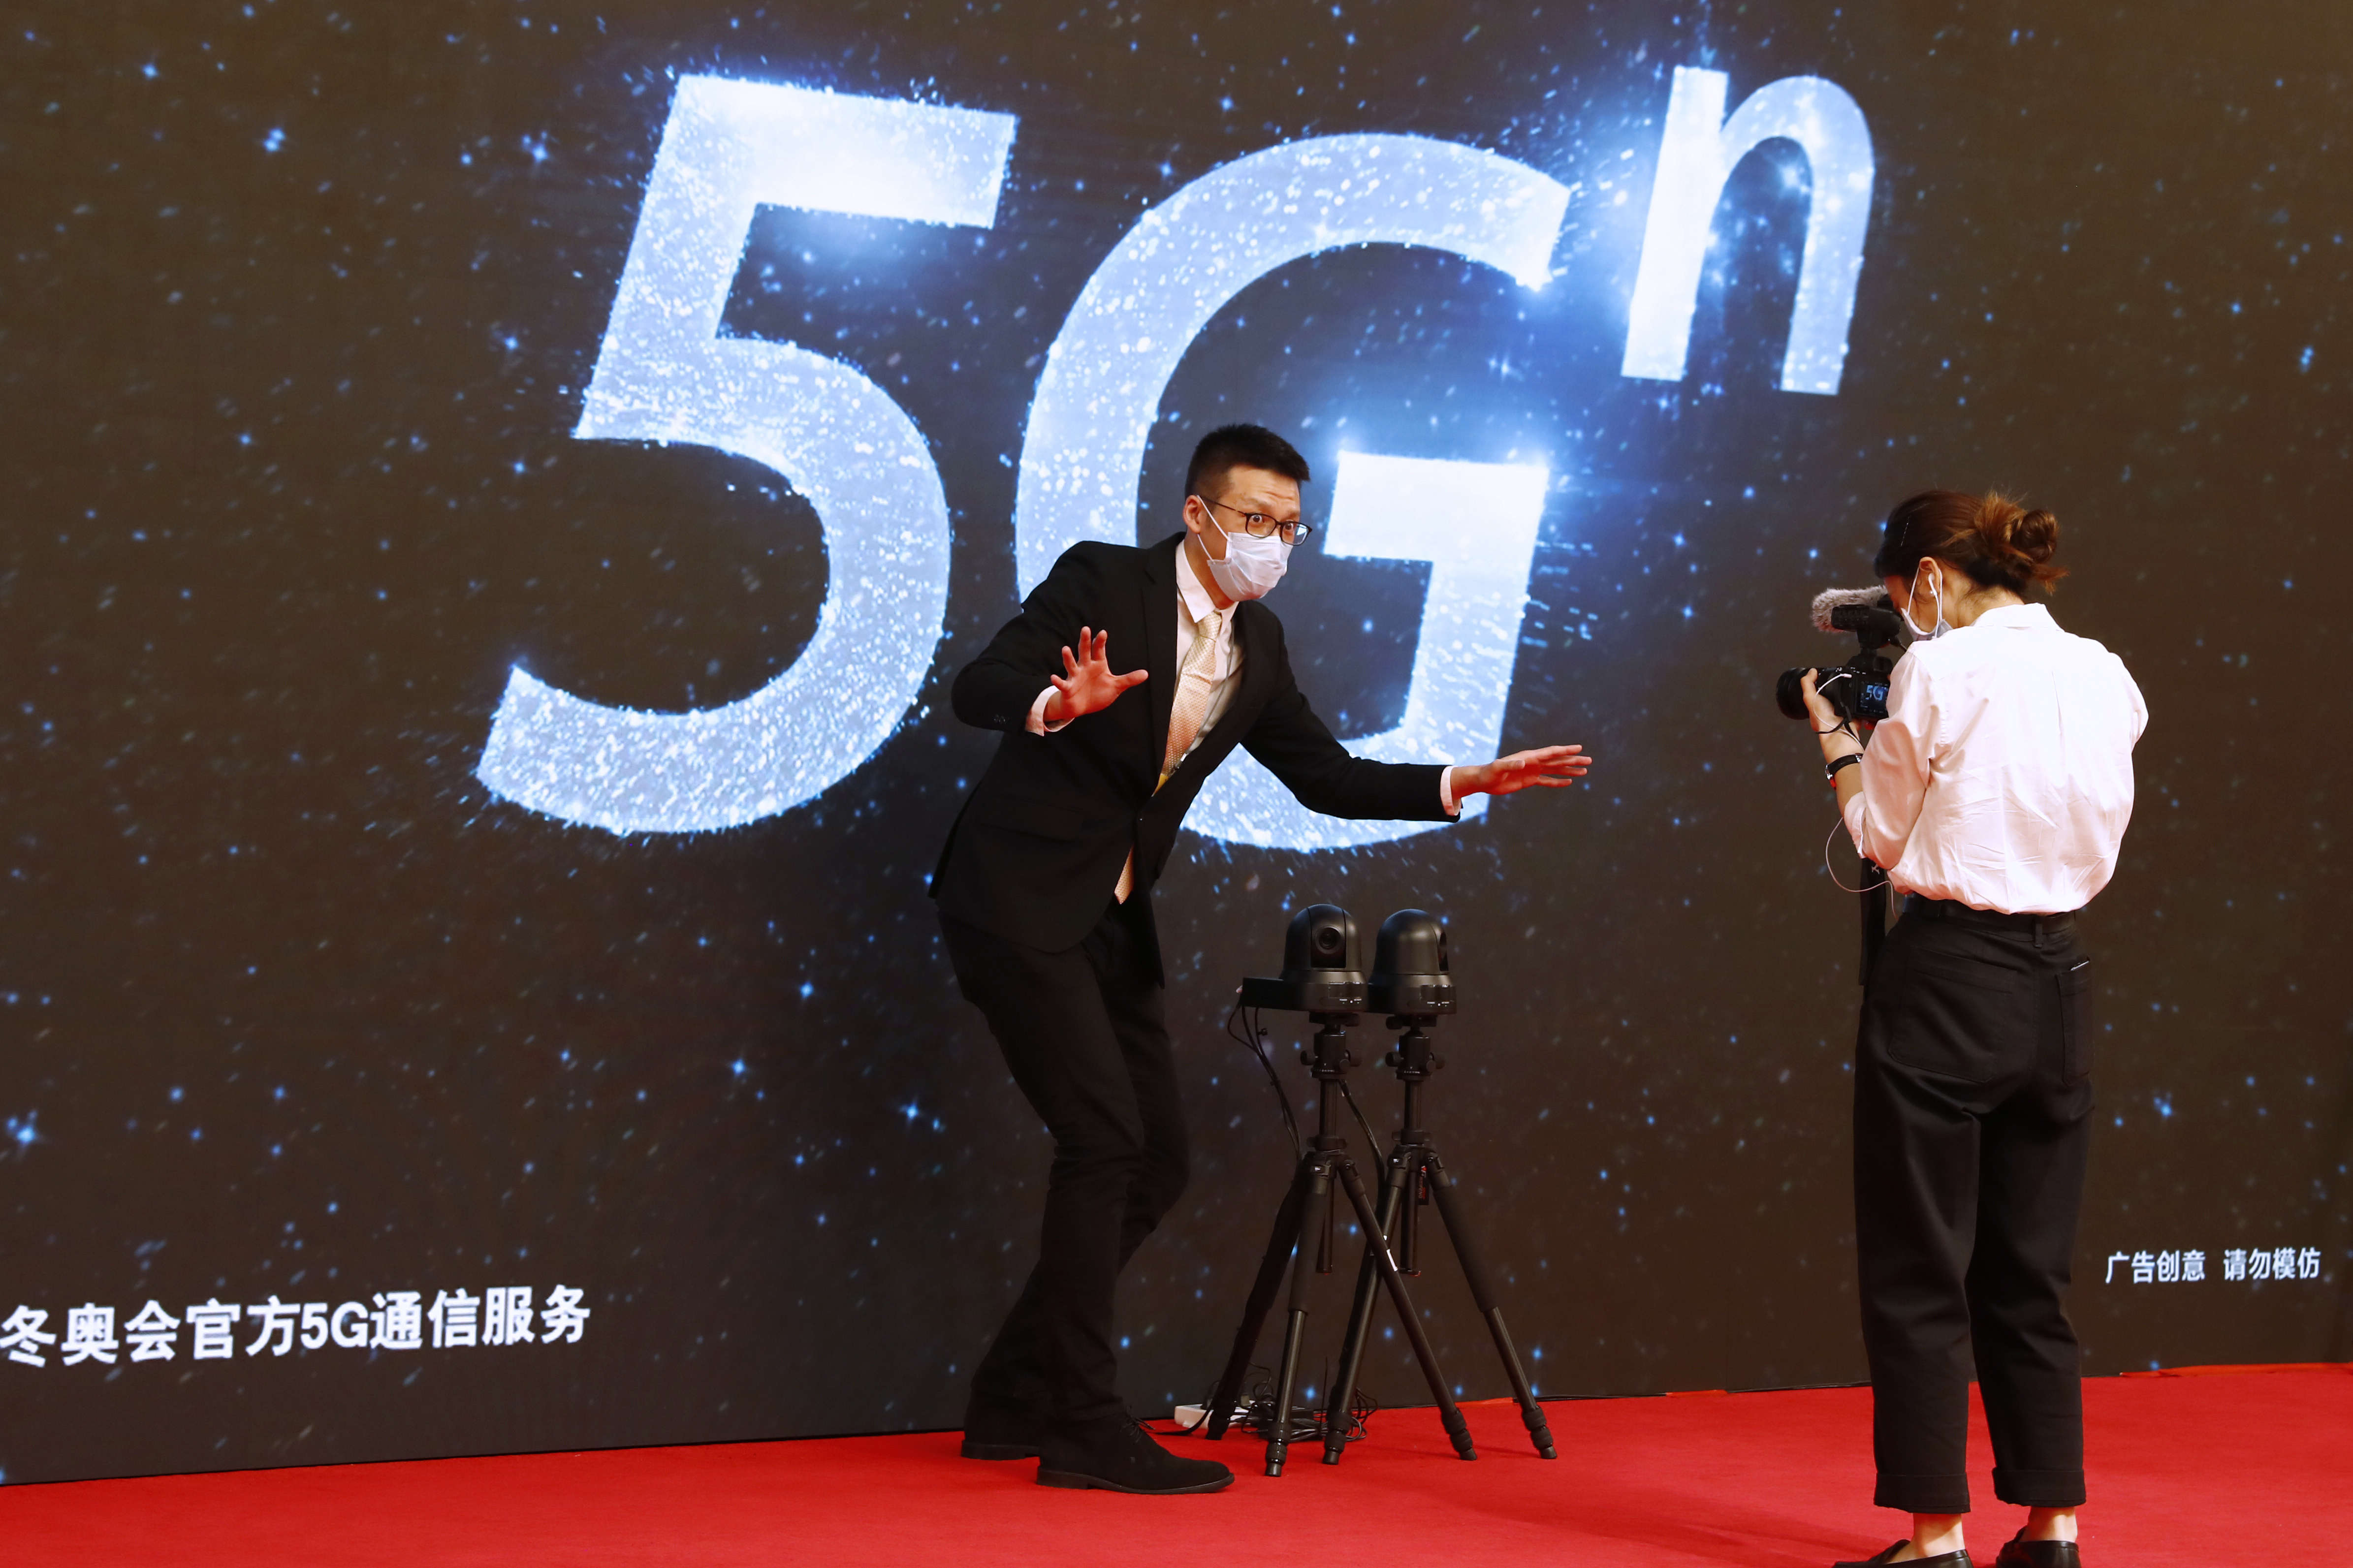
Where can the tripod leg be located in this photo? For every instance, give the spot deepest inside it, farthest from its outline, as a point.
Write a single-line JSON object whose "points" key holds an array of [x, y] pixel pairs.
{"points": [[1458, 1431], [1294, 1330], [1279, 1248], [1360, 1318], [1474, 1270]]}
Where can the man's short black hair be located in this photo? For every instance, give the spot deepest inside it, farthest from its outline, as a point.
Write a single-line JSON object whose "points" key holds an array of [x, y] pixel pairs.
{"points": [[1231, 447]]}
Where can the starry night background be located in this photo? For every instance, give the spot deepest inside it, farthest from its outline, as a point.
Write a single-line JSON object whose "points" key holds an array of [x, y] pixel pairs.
{"points": [[298, 301]]}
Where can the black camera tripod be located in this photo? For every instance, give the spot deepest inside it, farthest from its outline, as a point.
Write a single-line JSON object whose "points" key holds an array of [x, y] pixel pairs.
{"points": [[1415, 1176], [1323, 1163]]}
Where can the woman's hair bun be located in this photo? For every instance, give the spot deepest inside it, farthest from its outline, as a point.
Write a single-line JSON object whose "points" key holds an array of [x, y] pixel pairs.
{"points": [[2014, 545], [1997, 541]]}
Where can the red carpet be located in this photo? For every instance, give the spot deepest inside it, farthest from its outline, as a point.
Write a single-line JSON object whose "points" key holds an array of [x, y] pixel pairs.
{"points": [[2251, 1466]]}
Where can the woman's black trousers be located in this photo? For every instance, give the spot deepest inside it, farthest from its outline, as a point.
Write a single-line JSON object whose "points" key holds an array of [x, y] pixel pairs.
{"points": [[1972, 1113]]}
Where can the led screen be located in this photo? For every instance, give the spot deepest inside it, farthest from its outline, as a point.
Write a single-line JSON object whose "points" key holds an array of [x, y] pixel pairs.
{"points": [[498, 493]]}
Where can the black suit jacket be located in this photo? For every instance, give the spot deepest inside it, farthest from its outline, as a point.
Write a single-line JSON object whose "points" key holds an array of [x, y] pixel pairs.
{"points": [[1036, 851]]}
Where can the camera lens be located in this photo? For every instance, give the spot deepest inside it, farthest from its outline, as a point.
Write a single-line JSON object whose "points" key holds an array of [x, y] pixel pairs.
{"points": [[1329, 941], [1790, 693]]}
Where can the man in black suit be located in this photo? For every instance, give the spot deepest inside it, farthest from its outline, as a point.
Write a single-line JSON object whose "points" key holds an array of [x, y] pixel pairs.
{"points": [[1044, 893]]}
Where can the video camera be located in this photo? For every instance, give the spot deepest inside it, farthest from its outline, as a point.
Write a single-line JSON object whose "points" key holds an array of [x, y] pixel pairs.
{"points": [[1323, 967], [1857, 688]]}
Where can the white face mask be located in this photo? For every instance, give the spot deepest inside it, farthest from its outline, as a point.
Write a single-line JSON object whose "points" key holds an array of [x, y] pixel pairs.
{"points": [[1251, 567], [1935, 583]]}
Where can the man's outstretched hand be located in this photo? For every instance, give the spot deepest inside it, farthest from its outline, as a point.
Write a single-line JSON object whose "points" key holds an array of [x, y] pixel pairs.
{"points": [[1086, 684], [1547, 767]]}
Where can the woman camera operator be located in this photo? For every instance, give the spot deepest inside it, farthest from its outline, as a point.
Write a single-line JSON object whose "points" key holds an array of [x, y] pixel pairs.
{"points": [[1994, 793]]}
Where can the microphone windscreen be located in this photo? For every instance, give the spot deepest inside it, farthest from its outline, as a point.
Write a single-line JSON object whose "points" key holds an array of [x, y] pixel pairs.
{"points": [[1829, 599]]}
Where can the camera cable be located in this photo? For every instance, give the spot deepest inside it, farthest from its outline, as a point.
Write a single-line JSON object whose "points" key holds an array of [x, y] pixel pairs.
{"points": [[1253, 1034], [1372, 1144], [1836, 827], [1845, 727]]}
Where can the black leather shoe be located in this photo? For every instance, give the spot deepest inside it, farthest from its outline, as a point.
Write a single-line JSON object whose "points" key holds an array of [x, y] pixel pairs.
{"points": [[1942, 1560], [2019, 1553], [1115, 1455], [994, 1431]]}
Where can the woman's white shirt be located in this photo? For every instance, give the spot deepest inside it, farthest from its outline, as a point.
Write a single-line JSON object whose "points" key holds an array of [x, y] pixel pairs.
{"points": [[2002, 777]]}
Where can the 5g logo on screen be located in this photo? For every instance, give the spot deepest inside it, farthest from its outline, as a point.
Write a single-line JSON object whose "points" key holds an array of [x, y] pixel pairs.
{"points": [[665, 374]]}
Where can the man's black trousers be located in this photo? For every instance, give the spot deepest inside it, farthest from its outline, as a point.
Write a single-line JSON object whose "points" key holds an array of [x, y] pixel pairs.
{"points": [[1972, 1115], [1082, 1031]]}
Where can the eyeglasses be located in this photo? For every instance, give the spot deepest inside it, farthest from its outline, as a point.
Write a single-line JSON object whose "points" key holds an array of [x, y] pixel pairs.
{"points": [[1258, 525]]}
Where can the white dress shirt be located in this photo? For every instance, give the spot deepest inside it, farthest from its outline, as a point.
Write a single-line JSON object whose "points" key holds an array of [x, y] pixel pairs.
{"points": [[2002, 777], [1223, 666]]}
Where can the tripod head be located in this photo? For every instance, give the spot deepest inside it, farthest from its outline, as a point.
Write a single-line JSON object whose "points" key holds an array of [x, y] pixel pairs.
{"points": [[1327, 1057]]}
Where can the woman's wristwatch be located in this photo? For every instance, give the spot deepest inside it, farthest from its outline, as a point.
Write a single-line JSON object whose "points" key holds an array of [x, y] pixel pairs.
{"points": [[1831, 769]]}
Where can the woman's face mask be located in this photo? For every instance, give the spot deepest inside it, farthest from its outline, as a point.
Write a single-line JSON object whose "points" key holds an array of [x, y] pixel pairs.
{"points": [[1936, 587]]}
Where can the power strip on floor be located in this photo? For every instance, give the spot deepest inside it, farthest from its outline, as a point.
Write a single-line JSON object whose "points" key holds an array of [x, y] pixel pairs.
{"points": [[1190, 1416]]}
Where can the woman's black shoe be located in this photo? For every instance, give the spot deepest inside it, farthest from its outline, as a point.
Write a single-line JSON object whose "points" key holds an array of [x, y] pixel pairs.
{"points": [[1942, 1560], [2020, 1552], [1115, 1455]]}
